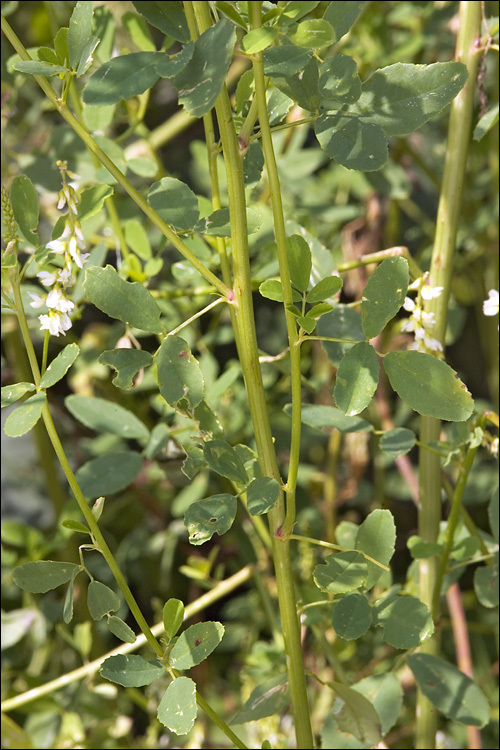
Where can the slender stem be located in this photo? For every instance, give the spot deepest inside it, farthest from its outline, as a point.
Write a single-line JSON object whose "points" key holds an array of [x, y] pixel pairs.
{"points": [[440, 275], [451, 525], [110, 166], [196, 316], [94, 529], [249, 357], [279, 231], [330, 545]]}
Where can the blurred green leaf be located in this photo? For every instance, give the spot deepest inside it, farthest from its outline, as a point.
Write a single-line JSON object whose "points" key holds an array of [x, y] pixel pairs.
{"points": [[450, 690]]}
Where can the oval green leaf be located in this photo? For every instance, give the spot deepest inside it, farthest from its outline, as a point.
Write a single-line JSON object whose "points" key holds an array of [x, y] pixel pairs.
{"points": [[127, 363], [105, 416], [386, 694], [352, 142], [177, 710], [43, 575], [377, 538], [175, 203], [430, 386], [179, 374], [262, 494], [24, 418], [123, 300], [122, 77], [341, 323], [25, 205], [173, 615], [266, 699], [120, 629], [205, 517], [36, 68], [218, 223], [324, 289], [401, 97], [319, 416], [12, 393], [384, 295], [356, 715], [351, 617], [357, 379], [80, 31], [299, 260], [258, 39], [130, 670], [101, 600], [339, 82], [195, 644], [398, 442], [314, 33], [60, 365], [222, 458], [200, 82], [108, 474], [450, 690], [341, 573], [167, 17], [406, 622]]}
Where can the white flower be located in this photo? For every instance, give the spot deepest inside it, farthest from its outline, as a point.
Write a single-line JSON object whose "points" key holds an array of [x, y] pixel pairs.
{"points": [[57, 246], [65, 277], [56, 300], [494, 447], [490, 305], [47, 279], [55, 322], [37, 300], [409, 304], [429, 292]]}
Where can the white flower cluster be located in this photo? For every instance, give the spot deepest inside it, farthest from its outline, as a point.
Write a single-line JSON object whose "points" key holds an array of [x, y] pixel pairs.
{"points": [[69, 245], [420, 322]]}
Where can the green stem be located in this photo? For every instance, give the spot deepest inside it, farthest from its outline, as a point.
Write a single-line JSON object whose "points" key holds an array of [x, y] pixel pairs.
{"points": [[110, 166], [440, 275], [279, 231], [451, 525], [249, 357], [94, 529]]}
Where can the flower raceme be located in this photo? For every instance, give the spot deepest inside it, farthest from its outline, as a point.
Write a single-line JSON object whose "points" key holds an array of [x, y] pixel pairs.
{"points": [[69, 245]]}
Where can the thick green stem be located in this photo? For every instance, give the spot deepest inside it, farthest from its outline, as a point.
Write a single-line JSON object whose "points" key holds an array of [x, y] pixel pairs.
{"points": [[279, 231], [249, 357], [467, 51]]}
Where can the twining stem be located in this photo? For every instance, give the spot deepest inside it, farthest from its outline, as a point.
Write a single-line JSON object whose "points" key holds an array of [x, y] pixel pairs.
{"points": [[249, 358], [110, 166], [468, 52]]}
